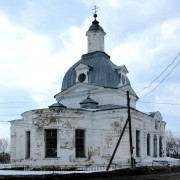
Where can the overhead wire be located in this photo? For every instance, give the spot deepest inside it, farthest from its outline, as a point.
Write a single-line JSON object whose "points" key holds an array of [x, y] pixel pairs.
{"points": [[161, 80], [148, 102], [88, 130], [122, 90], [162, 103], [21, 102], [139, 101], [91, 131], [159, 74]]}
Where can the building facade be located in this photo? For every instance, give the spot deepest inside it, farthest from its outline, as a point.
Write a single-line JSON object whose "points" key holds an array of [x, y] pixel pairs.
{"points": [[84, 125]]}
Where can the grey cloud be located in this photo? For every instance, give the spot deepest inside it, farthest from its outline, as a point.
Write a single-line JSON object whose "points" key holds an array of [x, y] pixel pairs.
{"points": [[14, 101], [41, 16]]}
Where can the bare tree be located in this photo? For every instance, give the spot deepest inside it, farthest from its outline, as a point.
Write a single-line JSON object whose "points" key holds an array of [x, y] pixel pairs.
{"points": [[172, 144], [170, 139], [178, 141], [4, 145], [4, 148]]}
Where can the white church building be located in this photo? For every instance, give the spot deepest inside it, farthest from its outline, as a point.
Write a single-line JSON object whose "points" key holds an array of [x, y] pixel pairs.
{"points": [[84, 125]]}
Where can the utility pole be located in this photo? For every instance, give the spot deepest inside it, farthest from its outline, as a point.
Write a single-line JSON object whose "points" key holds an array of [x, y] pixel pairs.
{"points": [[121, 135], [130, 130], [117, 145]]}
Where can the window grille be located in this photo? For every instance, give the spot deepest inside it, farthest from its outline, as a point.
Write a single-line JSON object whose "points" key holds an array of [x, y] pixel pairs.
{"points": [[51, 142], [160, 146], [137, 143], [148, 144], [80, 142], [28, 146], [155, 145], [156, 124]]}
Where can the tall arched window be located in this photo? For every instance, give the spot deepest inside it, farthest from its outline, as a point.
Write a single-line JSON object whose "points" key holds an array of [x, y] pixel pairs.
{"points": [[148, 144], [156, 124], [137, 143], [155, 146], [160, 146]]}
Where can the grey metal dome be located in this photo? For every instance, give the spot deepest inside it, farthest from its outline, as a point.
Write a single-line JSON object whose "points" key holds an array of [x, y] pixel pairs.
{"points": [[89, 103], [95, 26], [102, 72], [57, 105]]}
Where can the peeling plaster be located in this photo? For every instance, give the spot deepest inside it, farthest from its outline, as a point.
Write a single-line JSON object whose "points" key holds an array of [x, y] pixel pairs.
{"points": [[66, 138], [98, 147], [41, 122], [96, 151], [72, 158]]}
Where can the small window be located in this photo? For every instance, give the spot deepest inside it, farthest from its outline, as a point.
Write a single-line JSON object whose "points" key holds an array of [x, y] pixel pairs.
{"points": [[156, 124], [148, 144], [82, 77], [137, 143], [119, 77], [160, 147], [28, 144], [51, 142], [80, 142], [155, 146], [123, 79]]}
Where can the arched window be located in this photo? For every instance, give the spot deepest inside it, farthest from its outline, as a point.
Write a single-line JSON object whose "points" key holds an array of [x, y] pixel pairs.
{"points": [[156, 124], [148, 144], [160, 146], [155, 146], [137, 143]]}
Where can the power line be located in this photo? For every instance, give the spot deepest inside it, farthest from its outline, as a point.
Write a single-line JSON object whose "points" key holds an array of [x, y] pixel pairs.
{"points": [[150, 102], [12, 115], [163, 103], [24, 102], [94, 131], [161, 80], [21, 107], [159, 74]]}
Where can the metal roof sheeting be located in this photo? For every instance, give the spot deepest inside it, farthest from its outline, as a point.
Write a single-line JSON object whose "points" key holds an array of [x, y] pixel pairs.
{"points": [[103, 72]]}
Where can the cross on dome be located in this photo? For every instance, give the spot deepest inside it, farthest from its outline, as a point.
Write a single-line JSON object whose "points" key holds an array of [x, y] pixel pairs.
{"points": [[95, 11]]}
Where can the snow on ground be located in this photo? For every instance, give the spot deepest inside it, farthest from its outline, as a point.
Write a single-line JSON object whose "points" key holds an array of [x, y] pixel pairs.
{"points": [[26, 172], [169, 159], [164, 161], [16, 172]]}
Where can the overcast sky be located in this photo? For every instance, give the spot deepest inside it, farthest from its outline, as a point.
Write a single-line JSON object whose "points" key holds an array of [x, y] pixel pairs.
{"points": [[41, 39]]}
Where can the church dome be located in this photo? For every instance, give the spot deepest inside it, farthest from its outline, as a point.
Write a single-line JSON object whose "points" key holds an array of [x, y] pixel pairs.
{"points": [[102, 71], [57, 105], [89, 103], [95, 67], [95, 26]]}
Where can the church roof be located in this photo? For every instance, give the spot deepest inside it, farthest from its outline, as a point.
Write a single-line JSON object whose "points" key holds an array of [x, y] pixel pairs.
{"points": [[95, 26], [110, 106], [103, 71], [88, 100], [89, 103], [57, 105]]}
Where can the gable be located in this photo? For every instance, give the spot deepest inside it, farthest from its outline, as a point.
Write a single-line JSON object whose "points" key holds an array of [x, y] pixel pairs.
{"points": [[76, 89], [122, 69], [82, 67], [129, 88], [158, 116]]}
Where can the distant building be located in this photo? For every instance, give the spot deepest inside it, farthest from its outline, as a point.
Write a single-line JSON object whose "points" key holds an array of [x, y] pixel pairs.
{"points": [[83, 127]]}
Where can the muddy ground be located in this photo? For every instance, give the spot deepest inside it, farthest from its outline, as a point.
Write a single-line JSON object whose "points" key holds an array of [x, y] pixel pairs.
{"points": [[140, 173]]}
